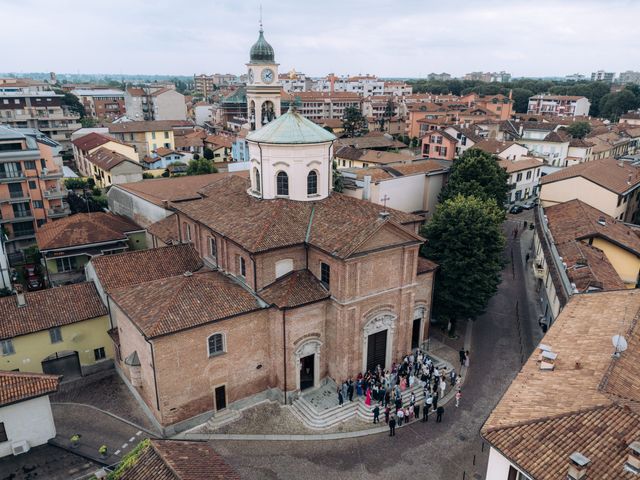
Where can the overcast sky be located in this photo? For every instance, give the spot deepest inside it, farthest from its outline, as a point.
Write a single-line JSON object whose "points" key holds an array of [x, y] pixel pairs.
{"points": [[392, 38]]}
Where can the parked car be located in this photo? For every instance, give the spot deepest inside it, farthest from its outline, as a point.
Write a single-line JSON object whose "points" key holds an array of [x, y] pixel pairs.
{"points": [[515, 209], [528, 205]]}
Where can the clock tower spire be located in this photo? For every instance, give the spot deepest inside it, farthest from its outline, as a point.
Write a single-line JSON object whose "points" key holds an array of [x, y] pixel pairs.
{"points": [[263, 86]]}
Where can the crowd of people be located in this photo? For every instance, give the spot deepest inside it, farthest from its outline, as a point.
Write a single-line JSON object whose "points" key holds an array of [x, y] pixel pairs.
{"points": [[383, 389]]}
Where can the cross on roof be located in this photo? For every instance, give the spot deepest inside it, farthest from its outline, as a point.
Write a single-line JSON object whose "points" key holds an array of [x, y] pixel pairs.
{"points": [[384, 200]]}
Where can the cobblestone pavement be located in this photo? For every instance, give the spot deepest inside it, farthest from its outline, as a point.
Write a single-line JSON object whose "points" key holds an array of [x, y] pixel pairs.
{"points": [[106, 391], [46, 463], [428, 451]]}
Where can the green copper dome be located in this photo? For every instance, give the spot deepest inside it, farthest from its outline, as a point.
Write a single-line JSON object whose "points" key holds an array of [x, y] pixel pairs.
{"points": [[261, 52], [291, 128]]}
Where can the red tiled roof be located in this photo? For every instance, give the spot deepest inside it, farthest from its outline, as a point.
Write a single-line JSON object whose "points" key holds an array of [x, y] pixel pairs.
{"points": [[425, 265], [92, 140], [493, 147], [178, 460], [337, 224], [107, 159], [219, 140], [606, 172], [18, 387], [131, 268], [588, 268], [171, 304], [148, 126], [166, 229], [84, 229], [294, 289], [49, 308], [517, 166]]}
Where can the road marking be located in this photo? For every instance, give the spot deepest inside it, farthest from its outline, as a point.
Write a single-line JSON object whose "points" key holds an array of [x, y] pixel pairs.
{"points": [[139, 432], [117, 452], [132, 439], [124, 446]]}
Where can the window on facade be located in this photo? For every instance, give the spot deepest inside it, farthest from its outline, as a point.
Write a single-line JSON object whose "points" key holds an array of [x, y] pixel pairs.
{"points": [[215, 344], [257, 178], [99, 354], [187, 232], [153, 135], [213, 248], [443, 151], [282, 184], [166, 134], [43, 163], [30, 165], [32, 184], [529, 175], [3, 433], [325, 274], [38, 204], [519, 177], [243, 267], [6, 347], [55, 334], [66, 264], [312, 183]]}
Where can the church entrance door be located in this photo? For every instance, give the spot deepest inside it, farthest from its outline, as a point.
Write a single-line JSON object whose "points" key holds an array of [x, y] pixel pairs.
{"points": [[377, 350], [415, 333], [307, 373]]}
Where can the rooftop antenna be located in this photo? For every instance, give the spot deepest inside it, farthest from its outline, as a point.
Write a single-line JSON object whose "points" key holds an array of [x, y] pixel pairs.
{"points": [[618, 340]]}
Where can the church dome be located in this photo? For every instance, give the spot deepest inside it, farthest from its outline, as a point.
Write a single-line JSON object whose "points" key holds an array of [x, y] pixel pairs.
{"points": [[291, 128], [261, 52]]}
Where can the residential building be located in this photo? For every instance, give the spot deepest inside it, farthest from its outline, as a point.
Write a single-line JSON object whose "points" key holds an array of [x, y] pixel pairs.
{"points": [[154, 103], [61, 331], [295, 82], [629, 77], [570, 412], [221, 146], [363, 85], [320, 105], [498, 105], [562, 105], [86, 145], [109, 167], [37, 108], [102, 104], [372, 141], [411, 188], [145, 137], [397, 89], [488, 76], [524, 175], [608, 185], [68, 244], [203, 113], [5, 279], [467, 137], [511, 151], [602, 76], [580, 150], [26, 419], [148, 201], [632, 118], [351, 157], [163, 157], [547, 142], [204, 85], [31, 192], [575, 77], [440, 145], [438, 77], [176, 460]]}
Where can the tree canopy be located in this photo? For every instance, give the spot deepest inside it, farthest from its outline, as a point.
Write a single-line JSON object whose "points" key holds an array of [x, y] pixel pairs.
{"points": [[613, 105], [353, 122], [579, 129], [464, 237], [477, 173], [200, 166]]}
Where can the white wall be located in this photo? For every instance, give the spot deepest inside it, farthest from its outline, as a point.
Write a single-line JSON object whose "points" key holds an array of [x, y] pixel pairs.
{"points": [[5, 281], [405, 193], [31, 420], [141, 211], [204, 113], [498, 466], [170, 106]]}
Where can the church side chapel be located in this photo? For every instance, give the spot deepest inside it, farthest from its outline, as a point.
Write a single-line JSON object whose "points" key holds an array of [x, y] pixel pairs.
{"points": [[289, 283]]}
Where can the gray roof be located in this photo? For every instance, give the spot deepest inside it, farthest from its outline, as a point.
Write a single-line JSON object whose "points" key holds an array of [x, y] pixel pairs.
{"points": [[261, 51], [291, 128]]}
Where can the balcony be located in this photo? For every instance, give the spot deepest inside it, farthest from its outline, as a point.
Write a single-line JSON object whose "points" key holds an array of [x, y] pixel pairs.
{"points": [[51, 174], [23, 216], [55, 193], [21, 235], [16, 197], [57, 212], [7, 177]]}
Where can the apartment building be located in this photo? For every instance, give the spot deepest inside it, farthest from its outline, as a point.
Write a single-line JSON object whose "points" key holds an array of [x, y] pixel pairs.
{"points": [[562, 105], [501, 76], [629, 77], [319, 105], [295, 82], [204, 85], [31, 192], [155, 103], [33, 106], [146, 137], [90, 143], [602, 76], [101, 104]]}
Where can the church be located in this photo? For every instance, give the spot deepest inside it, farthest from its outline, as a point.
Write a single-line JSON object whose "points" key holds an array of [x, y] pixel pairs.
{"points": [[275, 283]]}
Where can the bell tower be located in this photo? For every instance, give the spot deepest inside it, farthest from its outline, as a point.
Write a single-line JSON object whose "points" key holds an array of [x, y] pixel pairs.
{"points": [[263, 86]]}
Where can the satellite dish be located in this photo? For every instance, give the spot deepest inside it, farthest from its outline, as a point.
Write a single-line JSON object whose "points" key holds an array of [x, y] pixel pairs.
{"points": [[619, 342]]}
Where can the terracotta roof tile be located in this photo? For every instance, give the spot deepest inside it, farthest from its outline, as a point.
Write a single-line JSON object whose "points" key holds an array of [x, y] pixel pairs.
{"points": [[171, 304], [588, 267], [605, 172], [219, 140], [18, 387], [177, 460], [337, 224], [294, 289], [92, 140], [425, 265], [107, 159], [84, 229], [523, 164], [131, 268], [493, 147], [166, 229], [49, 308], [148, 126]]}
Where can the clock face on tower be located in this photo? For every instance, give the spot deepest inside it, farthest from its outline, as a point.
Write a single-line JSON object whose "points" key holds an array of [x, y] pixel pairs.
{"points": [[251, 75], [267, 75]]}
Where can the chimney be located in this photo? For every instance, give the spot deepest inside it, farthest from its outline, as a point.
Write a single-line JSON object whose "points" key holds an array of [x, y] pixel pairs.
{"points": [[633, 460], [20, 299], [578, 464], [384, 215], [366, 193], [629, 179]]}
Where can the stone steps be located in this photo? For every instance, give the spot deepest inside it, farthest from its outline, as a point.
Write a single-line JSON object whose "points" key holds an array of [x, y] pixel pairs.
{"points": [[222, 418]]}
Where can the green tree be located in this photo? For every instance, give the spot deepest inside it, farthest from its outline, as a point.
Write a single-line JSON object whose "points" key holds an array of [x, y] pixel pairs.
{"points": [[207, 153], [87, 122], [415, 142], [521, 99], [72, 103], [338, 180], [353, 122], [479, 174], [613, 105], [200, 166], [579, 129], [464, 237]]}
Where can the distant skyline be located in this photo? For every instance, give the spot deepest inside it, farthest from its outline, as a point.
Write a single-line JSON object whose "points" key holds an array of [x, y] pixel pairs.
{"points": [[404, 38]]}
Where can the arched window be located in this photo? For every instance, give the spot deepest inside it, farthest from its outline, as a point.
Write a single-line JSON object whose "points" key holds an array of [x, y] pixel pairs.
{"points": [[215, 343], [282, 184], [257, 178], [312, 183]]}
